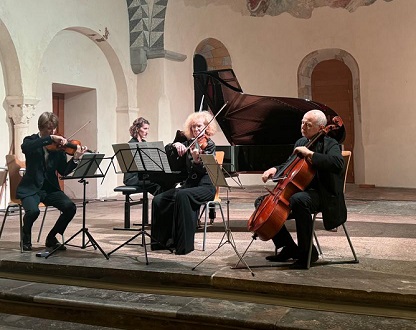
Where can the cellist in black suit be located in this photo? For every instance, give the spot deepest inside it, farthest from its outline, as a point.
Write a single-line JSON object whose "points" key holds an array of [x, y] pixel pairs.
{"points": [[40, 181], [325, 193]]}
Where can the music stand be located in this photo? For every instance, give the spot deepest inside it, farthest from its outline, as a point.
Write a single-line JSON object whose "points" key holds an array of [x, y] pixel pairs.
{"points": [[216, 174], [88, 167], [144, 158]]}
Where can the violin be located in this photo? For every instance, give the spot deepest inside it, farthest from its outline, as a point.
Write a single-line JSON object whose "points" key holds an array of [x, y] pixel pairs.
{"points": [[69, 148], [202, 142], [71, 145]]}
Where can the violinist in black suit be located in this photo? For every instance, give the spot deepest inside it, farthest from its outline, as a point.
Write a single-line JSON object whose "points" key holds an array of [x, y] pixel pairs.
{"points": [[40, 181], [325, 193]]}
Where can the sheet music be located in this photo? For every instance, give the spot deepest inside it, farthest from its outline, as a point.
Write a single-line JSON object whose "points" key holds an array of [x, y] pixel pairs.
{"points": [[125, 157], [214, 170], [88, 165], [142, 157]]}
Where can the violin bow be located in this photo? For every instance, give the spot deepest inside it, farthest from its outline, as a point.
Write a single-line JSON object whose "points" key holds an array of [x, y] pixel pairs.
{"points": [[78, 129], [203, 131]]}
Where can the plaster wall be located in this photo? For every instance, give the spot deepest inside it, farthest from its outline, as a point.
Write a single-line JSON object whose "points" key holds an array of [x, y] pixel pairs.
{"points": [[32, 26], [267, 51], [73, 59], [4, 123], [59, 42]]}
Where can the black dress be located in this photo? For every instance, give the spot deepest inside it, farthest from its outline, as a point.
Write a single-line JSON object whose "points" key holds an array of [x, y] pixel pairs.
{"points": [[175, 212]]}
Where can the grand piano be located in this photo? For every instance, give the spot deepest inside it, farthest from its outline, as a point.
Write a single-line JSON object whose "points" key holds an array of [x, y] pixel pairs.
{"points": [[261, 130]]}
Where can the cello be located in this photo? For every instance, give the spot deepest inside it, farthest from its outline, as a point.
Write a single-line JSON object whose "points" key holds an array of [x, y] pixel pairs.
{"points": [[270, 215]]}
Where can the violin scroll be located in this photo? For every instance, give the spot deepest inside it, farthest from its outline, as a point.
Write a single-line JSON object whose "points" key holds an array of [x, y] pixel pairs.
{"points": [[337, 123]]}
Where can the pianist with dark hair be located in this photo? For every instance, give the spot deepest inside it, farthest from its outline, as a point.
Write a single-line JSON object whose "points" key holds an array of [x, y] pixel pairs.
{"points": [[138, 132], [175, 212], [324, 193]]}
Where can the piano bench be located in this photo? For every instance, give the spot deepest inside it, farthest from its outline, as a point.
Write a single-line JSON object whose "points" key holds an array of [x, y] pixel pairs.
{"points": [[128, 202]]}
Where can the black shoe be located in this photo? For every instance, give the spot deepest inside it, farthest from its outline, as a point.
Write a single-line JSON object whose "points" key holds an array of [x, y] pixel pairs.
{"points": [[303, 263], [54, 243], [212, 216], [26, 242], [27, 246], [284, 255]]}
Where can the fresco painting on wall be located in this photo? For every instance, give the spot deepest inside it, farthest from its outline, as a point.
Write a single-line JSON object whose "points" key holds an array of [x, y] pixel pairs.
{"points": [[301, 8]]}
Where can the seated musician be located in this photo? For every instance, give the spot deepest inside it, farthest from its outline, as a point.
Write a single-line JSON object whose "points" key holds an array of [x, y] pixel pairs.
{"points": [[175, 212], [138, 132], [324, 193], [44, 158]]}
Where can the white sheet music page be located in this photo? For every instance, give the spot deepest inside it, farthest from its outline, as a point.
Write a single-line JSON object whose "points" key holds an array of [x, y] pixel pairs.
{"points": [[150, 156], [124, 157]]}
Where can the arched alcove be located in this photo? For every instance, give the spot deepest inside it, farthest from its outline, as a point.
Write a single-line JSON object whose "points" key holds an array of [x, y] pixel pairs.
{"points": [[215, 53], [305, 70]]}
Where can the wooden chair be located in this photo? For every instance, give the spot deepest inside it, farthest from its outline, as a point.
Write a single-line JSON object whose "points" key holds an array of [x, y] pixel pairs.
{"points": [[15, 169], [211, 205], [347, 158]]}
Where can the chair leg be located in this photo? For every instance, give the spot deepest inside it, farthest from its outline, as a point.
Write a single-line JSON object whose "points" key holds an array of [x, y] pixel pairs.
{"points": [[206, 210], [43, 221], [127, 211], [21, 228], [201, 214], [349, 242], [222, 216], [4, 219], [317, 243], [308, 264]]}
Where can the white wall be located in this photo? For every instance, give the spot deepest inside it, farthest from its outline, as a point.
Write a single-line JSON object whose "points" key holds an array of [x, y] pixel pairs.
{"points": [[266, 53], [55, 42]]}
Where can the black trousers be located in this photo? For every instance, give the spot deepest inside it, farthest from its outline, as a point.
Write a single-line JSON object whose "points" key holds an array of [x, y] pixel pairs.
{"points": [[175, 215], [57, 199], [303, 205]]}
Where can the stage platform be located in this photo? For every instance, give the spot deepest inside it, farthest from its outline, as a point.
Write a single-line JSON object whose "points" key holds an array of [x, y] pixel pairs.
{"points": [[81, 289]]}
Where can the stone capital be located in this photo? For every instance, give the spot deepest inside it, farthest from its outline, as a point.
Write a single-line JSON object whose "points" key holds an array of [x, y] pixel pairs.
{"points": [[21, 109]]}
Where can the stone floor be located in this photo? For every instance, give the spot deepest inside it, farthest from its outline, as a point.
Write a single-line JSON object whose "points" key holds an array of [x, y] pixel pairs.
{"points": [[379, 291]]}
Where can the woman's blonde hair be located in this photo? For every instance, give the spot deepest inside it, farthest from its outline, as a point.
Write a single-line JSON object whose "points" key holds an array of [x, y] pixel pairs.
{"points": [[210, 130]]}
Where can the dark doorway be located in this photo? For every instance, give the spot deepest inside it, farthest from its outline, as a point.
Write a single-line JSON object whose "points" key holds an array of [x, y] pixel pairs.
{"points": [[200, 64], [332, 85]]}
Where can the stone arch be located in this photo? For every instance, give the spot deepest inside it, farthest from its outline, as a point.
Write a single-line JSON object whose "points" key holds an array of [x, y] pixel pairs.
{"points": [[124, 110], [18, 108], [305, 70], [10, 63], [21, 109], [215, 53], [113, 61]]}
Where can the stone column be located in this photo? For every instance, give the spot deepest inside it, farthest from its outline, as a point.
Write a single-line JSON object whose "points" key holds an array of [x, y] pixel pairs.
{"points": [[20, 111]]}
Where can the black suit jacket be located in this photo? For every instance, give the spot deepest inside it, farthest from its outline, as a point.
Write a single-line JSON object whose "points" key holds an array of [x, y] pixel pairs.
{"points": [[329, 164], [38, 172]]}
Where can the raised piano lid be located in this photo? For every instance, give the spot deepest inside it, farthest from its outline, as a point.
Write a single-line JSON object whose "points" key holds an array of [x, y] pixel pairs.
{"points": [[256, 120]]}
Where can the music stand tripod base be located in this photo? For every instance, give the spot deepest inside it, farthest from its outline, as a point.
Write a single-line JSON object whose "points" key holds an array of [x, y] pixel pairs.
{"points": [[215, 172], [143, 158], [87, 168]]}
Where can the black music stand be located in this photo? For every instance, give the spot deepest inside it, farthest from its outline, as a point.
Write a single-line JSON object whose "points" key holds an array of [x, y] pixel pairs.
{"points": [[144, 158], [88, 167], [216, 174]]}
